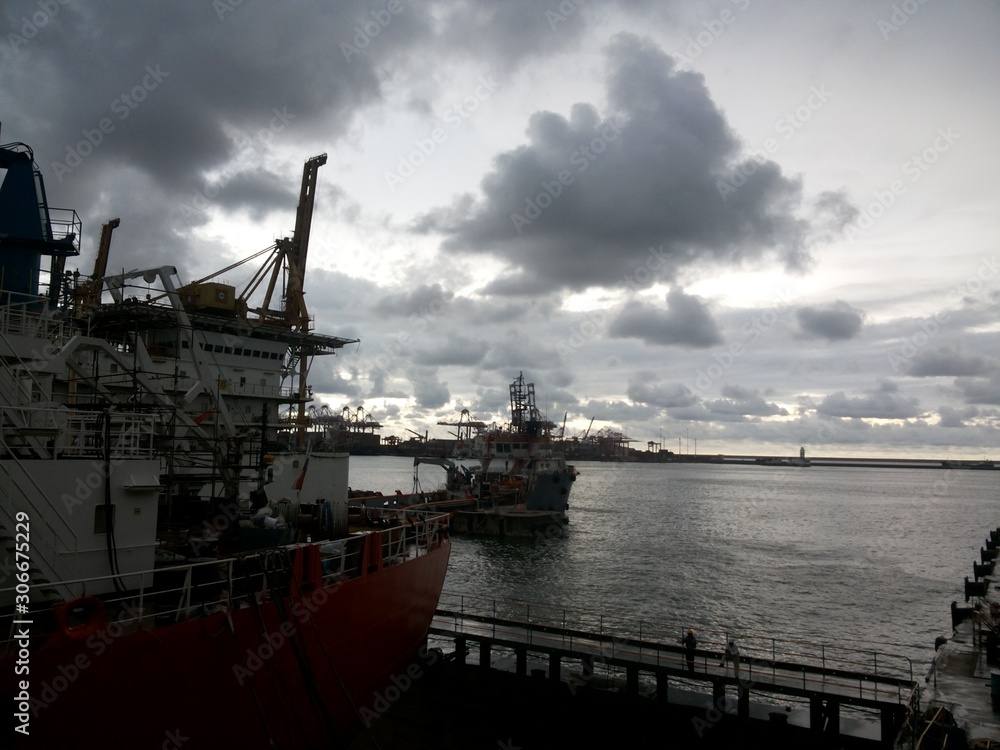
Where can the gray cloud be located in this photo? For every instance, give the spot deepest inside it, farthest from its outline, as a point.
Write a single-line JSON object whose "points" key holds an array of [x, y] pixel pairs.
{"points": [[947, 361], [884, 402], [980, 390], [256, 189], [685, 322], [644, 389], [428, 391], [837, 321], [951, 417], [743, 402], [582, 204], [426, 300], [454, 350]]}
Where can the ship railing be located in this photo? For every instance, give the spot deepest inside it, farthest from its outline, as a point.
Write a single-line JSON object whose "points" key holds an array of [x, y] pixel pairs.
{"points": [[176, 593], [31, 317], [75, 433], [65, 226], [660, 642], [413, 533]]}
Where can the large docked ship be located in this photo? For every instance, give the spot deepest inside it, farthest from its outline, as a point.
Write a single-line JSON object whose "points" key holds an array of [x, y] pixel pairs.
{"points": [[183, 568]]}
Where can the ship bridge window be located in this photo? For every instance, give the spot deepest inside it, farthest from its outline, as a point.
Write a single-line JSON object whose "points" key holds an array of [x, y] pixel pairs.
{"points": [[256, 354], [228, 350]]}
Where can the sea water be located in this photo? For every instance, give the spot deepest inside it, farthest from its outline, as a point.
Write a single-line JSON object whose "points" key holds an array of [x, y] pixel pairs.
{"points": [[865, 558]]}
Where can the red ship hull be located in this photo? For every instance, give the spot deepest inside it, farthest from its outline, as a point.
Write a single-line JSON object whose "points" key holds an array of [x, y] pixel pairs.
{"points": [[307, 672]]}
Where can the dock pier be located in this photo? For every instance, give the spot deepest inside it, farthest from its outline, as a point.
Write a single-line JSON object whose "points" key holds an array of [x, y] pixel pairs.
{"points": [[580, 666]]}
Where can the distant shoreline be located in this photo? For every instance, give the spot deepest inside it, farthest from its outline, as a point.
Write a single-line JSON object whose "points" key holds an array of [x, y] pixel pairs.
{"points": [[443, 449], [835, 461]]}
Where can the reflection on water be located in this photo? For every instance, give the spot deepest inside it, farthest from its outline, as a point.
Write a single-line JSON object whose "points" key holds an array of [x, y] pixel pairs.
{"points": [[869, 557]]}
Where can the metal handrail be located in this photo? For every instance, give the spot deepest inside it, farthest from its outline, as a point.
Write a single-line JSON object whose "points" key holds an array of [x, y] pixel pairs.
{"points": [[427, 525], [752, 646]]}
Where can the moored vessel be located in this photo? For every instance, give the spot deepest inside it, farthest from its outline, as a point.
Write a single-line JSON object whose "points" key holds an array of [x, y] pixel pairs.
{"points": [[184, 569]]}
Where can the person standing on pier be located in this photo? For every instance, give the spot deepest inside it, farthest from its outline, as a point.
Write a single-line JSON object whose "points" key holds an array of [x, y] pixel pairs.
{"points": [[690, 644], [732, 653]]}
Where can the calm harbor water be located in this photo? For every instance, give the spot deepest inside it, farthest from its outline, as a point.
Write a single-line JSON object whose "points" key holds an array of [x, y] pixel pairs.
{"points": [[866, 558]]}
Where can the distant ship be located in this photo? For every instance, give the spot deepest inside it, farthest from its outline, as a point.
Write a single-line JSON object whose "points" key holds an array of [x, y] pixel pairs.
{"points": [[520, 487], [523, 483], [184, 565]]}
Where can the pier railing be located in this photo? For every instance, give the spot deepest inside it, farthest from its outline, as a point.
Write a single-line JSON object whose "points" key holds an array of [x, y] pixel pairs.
{"points": [[652, 641]]}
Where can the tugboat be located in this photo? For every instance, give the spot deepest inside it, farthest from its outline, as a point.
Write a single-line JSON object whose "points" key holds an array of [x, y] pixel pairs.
{"points": [[523, 483], [184, 572], [520, 488]]}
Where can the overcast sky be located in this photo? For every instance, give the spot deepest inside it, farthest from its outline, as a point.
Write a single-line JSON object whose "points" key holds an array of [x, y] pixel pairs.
{"points": [[754, 225]]}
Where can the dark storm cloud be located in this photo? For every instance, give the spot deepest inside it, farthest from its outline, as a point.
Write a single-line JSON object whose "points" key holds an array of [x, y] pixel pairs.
{"points": [[837, 321], [884, 402], [256, 190], [620, 199], [684, 322], [509, 31], [120, 100]]}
